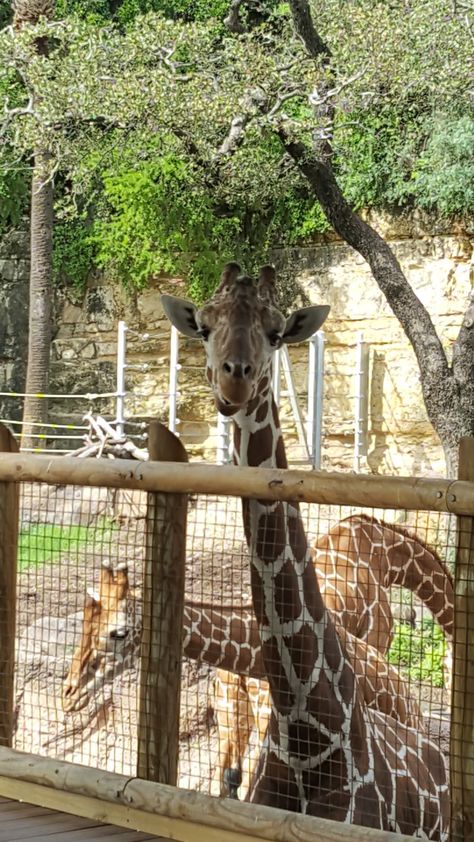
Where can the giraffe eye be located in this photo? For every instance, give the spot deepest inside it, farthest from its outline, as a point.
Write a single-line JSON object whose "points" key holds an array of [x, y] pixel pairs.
{"points": [[204, 332], [274, 339]]}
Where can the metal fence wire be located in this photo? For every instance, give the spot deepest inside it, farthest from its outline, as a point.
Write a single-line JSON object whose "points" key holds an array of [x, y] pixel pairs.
{"points": [[385, 575]]}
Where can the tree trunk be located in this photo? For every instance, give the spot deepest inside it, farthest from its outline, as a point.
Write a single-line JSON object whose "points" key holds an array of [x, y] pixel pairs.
{"points": [[35, 409], [448, 390]]}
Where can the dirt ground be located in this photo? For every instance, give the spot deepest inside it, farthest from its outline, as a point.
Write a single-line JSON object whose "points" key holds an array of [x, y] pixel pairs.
{"points": [[50, 601]]}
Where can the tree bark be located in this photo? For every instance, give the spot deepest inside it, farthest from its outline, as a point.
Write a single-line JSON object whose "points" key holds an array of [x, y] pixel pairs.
{"points": [[448, 390], [35, 410], [40, 304]]}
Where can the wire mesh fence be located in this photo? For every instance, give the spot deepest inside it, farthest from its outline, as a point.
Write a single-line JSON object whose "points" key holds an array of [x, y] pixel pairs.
{"points": [[385, 575]]}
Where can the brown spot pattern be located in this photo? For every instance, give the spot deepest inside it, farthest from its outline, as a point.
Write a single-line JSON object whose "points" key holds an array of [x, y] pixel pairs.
{"points": [[260, 446], [346, 684], [305, 740], [280, 454], [304, 651], [368, 811], [262, 412], [282, 695], [360, 752], [297, 536], [332, 646], [323, 705], [271, 534], [312, 597], [286, 595]]}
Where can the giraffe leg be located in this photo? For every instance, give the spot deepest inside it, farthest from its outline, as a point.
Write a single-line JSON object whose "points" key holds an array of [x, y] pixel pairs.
{"points": [[259, 700]]}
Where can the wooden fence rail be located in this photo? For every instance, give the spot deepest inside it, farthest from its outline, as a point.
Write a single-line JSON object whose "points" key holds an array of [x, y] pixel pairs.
{"points": [[438, 495], [156, 808]]}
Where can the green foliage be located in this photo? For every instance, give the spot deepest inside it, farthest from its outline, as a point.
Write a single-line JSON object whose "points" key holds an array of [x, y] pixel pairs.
{"points": [[157, 219], [134, 115], [125, 11], [48, 542], [14, 178], [376, 153], [419, 652], [444, 175], [73, 253]]}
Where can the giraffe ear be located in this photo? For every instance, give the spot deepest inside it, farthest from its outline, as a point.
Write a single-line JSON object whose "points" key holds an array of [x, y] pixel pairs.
{"points": [[181, 314], [303, 323]]}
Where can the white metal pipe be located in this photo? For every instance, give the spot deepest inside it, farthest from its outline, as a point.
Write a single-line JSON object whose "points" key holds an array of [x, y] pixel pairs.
{"points": [[223, 439], [315, 397], [173, 381], [361, 401], [120, 398], [299, 423], [276, 376]]}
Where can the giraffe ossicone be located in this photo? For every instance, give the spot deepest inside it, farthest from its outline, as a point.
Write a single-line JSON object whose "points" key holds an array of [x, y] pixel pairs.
{"points": [[323, 754]]}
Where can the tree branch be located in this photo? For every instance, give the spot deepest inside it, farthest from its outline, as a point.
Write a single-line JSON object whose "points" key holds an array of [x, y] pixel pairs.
{"points": [[305, 29], [406, 306], [232, 21], [463, 353]]}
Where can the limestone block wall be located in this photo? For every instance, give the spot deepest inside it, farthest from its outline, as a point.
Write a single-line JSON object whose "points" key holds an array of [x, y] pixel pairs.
{"points": [[438, 261]]}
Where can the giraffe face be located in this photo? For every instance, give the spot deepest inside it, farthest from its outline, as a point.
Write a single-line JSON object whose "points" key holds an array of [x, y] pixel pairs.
{"points": [[241, 328], [104, 638]]}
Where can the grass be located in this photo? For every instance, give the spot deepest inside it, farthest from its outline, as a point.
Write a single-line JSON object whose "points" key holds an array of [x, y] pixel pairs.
{"points": [[419, 653], [43, 543]]}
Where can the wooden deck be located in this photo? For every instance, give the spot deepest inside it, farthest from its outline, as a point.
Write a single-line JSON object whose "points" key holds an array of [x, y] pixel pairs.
{"points": [[20, 821]]}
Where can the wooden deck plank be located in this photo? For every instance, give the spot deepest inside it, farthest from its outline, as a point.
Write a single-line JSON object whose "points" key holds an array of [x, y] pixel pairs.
{"points": [[21, 828], [106, 834], [22, 822], [20, 808]]}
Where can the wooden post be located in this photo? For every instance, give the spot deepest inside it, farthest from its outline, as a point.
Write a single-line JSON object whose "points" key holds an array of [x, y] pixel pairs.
{"points": [[163, 603], [462, 707], [9, 509]]}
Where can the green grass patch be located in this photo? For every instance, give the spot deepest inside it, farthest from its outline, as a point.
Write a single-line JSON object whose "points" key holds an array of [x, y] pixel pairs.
{"points": [[43, 543], [419, 653]]}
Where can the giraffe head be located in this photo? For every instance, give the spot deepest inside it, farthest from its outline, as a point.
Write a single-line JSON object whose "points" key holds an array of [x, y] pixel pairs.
{"points": [[241, 327], [104, 635]]}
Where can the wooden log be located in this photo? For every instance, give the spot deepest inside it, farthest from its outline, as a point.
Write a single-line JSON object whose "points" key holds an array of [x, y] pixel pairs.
{"points": [[163, 606], [9, 513], [438, 495], [462, 703], [180, 814]]}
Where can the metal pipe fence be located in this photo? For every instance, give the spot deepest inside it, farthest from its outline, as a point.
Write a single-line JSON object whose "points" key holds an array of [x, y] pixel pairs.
{"points": [[302, 402]]}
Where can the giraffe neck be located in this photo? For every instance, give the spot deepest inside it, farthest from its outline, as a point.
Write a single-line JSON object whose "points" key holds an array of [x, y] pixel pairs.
{"points": [[409, 563], [312, 683], [219, 636]]}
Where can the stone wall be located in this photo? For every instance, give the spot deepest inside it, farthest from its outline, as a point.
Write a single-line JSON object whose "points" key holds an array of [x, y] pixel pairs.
{"points": [[438, 263], [14, 275]]}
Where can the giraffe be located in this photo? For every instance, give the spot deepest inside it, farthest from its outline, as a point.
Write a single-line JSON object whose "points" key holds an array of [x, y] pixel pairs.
{"points": [[361, 558], [111, 635], [228, 635], [357, 562], [322, 752]]}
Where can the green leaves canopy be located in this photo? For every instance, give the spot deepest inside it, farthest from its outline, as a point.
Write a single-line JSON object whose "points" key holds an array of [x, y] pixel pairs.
{"points": [[135, 117]]}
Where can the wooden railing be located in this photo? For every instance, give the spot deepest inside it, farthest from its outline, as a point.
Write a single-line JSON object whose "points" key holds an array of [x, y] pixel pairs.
{"points": [[152, 805]]}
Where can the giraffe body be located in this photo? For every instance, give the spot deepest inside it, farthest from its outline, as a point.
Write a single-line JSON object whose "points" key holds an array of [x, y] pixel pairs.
{"points": [[322, 752]]}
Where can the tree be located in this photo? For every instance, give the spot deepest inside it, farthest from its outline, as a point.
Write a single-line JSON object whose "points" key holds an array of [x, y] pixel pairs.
{"points": [[35, 410], [448, 386]]}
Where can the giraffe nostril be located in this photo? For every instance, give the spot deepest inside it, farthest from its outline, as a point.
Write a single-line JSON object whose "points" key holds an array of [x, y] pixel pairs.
{"points": [[227, 368], [247, 370]]}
